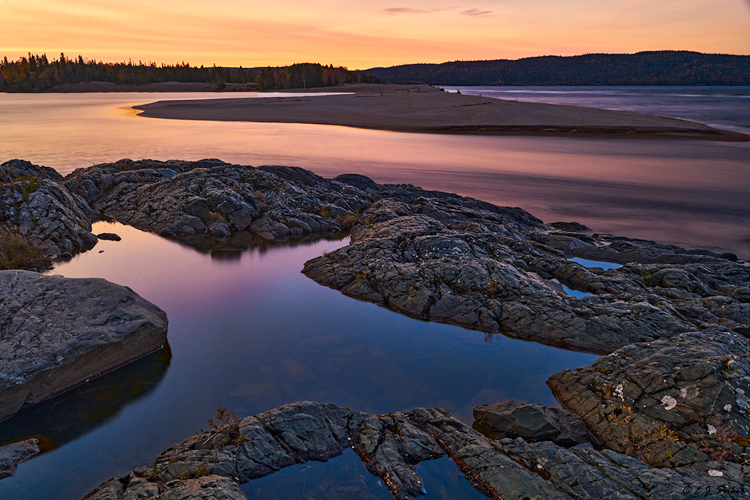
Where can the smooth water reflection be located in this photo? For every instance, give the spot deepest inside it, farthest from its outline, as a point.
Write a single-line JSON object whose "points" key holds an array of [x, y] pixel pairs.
{"points": [[252, 333], [345, 478], [694, 193]]}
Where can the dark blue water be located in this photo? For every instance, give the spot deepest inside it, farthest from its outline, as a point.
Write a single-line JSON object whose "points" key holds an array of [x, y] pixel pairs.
{"points": [[721, 107], [249, 332]]}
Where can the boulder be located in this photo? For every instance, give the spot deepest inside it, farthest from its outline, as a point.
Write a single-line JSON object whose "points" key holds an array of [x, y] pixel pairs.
{"points": [[35, 205], [59, 332], [533, 422]]}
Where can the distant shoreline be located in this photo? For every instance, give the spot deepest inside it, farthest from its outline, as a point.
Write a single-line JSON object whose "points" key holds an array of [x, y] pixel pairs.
{"points": [[426, 109]]}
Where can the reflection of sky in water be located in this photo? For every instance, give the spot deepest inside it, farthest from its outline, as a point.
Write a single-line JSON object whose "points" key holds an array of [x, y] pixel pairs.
{"points": [[576, 293], [345, 477], [685, 192], [252, 333], [595, 263]]}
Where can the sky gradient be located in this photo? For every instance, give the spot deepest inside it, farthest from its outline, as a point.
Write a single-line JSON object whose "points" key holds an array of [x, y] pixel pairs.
{"points": [[365, 34]]}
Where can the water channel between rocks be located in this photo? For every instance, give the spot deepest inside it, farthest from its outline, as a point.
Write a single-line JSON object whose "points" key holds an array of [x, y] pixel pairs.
{"points": [[248, 331]]}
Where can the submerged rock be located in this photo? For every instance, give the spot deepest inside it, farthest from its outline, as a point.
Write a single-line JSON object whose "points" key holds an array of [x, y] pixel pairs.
{"points": [[213, 463], [14, 453], [59, 332], [109, 236]]}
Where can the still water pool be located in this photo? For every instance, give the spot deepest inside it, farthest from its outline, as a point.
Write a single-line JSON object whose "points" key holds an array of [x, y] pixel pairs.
{"points": [[248, 331]]}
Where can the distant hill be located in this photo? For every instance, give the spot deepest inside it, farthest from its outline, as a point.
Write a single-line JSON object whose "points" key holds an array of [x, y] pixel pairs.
{"points": [[643, 68]]}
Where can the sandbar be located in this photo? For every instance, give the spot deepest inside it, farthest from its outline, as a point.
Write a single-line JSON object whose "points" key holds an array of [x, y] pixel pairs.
{"points": [[427, 109]]}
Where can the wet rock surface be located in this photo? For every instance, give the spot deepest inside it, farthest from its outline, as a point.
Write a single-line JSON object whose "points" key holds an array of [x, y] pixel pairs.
{"points": [[14, 453], [56, 333], [182, 199], [500, 270], [34, 204], [675, 402], [391, 445], [532, 422]]}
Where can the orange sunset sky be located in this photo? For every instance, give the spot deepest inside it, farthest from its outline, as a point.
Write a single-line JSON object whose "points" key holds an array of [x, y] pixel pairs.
{"points": [[361, 34]]}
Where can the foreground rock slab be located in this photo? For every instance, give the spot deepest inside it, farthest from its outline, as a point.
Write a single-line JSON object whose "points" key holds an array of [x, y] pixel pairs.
{"points": [[58, 332], [211, 465], [677, 402]]}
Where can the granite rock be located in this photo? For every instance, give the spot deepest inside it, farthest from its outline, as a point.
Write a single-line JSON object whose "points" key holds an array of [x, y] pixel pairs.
{"points": [[56, 333]]}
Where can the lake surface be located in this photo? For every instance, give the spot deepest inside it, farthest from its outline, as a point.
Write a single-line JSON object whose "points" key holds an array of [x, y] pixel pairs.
{"points": [[249, 332], [693, 193]]}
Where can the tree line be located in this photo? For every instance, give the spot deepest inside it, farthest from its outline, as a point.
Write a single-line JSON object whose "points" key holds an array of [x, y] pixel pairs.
{"points": [[643, 68], [37, 73], [310, 75]]}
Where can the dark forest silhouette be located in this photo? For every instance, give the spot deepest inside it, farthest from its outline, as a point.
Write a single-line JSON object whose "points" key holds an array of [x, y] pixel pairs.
{"points": [[643, 68], [37, 73]]}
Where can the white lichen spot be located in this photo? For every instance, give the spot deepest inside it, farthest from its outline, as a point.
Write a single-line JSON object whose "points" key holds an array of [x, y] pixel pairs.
{"points": [[727, 407], [711, 429], [618, 391], [715, 473], [683, 393], [669, 402]]}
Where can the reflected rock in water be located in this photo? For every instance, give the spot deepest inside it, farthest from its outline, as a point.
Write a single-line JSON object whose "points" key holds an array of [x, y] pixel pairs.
{"points": [[64, 418], [238, 242]]}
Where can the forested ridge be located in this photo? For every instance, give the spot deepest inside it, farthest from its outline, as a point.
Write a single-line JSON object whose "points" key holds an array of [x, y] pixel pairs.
{"points": [[643, 68], [37, 73]]}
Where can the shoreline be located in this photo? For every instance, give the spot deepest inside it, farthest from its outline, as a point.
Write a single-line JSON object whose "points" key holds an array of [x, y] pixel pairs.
{"points": [[426, 109]]}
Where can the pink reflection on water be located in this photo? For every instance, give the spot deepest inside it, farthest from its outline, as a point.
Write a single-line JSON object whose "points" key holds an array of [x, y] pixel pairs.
{"points": [[693, 193], [178, 277]]}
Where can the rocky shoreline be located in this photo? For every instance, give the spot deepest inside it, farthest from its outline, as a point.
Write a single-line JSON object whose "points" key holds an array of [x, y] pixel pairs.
{"points": [[666, 408]]}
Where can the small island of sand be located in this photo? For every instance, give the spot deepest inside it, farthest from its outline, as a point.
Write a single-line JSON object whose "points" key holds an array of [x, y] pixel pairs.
{"points": [[422, 108]]}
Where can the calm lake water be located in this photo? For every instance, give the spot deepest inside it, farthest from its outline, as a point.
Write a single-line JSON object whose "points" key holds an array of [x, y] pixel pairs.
{"points": [[249, 332]]}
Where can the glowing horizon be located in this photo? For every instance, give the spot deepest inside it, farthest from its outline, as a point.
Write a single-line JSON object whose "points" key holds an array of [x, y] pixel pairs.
{"points": [[359, 35]]}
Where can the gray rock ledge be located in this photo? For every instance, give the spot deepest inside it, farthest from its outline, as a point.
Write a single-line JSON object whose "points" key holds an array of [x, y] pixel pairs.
{"points": [[56, 333], [211, 465]]}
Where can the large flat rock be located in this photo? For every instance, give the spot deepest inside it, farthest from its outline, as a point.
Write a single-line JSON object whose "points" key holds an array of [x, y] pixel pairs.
{"points": [[56, 333]]}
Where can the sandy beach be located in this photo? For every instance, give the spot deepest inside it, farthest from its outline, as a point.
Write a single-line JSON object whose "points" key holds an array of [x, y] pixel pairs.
{"points": [[428, 109]]}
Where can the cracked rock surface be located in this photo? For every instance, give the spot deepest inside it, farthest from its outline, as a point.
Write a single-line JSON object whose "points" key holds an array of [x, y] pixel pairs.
{"points": [[674, 402], [211, 465], [499, 270], [56, 333], [34, 204]]}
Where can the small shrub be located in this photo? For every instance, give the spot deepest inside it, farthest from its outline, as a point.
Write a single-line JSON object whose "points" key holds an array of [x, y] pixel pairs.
{"points": [[324, 211], [347, 221], [201, 471], [493, 288], [228, 423], [16, 252], [217, 217], [27, 186], [647, 445]]}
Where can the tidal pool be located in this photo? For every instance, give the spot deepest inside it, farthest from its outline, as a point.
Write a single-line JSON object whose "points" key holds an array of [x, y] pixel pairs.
{"points": [[249, 332]]}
